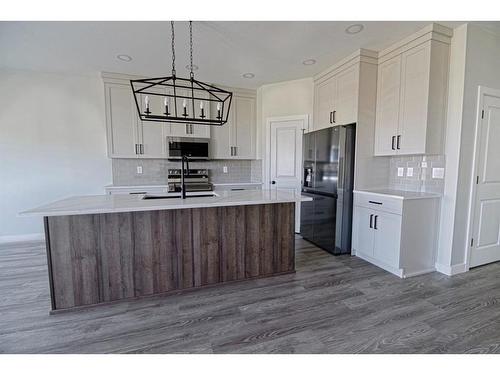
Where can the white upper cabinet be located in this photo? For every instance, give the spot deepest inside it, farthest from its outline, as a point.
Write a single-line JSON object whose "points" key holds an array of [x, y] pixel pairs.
{"points": [[236, 139], [152, 135], [121, 121], [336, 97], [412, 88], [389, 82]]}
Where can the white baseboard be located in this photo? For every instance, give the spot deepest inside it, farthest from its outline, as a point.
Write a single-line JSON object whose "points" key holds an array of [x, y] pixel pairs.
{"points": [[22, 238], [451, 270]]}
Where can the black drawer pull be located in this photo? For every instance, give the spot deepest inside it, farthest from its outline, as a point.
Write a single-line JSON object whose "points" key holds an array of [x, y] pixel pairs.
{"points": [[237, 189], [138, 192], [373, 202]]}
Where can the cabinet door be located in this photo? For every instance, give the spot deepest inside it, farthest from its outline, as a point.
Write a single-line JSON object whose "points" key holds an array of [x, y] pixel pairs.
{"points": [[415, 70], [324, 103], [387, 228], [388, 99], [220, 136], [121, 121], [362, 234], [152, 135], [245, 128], [346, 98]]}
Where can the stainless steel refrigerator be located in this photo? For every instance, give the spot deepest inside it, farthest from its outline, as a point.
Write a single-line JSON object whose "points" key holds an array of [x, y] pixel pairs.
{"points": [[328, 177]]}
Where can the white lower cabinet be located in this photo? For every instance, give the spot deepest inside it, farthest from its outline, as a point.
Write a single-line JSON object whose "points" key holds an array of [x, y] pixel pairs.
{"points": [[396, 233]]}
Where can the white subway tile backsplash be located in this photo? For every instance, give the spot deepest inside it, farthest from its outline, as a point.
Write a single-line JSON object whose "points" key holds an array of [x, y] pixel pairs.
{"points": [[154, 171], [420, 179]]}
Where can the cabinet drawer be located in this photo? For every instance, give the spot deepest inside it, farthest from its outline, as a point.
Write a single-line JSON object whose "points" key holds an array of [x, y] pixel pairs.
{"points": [[379, 202]]}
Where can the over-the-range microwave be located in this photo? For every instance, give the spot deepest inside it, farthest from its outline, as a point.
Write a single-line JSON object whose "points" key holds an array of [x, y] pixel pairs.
{"points": [[194, 148]]}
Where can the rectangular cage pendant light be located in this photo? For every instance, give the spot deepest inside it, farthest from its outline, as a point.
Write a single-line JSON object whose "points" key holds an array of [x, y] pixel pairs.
{"points": [[180, 100]]}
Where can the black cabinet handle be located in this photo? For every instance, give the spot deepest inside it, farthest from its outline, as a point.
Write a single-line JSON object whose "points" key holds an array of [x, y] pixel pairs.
{"points": [[334, 116], [273, 182], [373, 202], [136, 149], [375, 224], [371, 221], [141, 149], [397, 143], [392, 142], [331, 117]]}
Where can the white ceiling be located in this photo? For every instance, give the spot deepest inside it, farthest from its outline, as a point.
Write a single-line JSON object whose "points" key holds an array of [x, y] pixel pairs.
{"points": [[273, 51]]}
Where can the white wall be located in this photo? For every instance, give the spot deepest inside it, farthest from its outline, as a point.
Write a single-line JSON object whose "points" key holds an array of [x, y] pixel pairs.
{"points": [[456, 87], [288, 98], [482, 68], [52, 144], [481, 57]]}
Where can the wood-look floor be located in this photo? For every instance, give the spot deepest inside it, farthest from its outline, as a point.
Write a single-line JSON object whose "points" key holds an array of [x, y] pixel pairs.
{"points": [[331, 305]]}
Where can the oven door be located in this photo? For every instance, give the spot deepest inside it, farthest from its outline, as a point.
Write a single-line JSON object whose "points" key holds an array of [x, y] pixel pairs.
{"points": [[194, 148]]}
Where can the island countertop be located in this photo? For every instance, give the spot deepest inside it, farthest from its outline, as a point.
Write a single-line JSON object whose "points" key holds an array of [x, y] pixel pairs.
{"points": [[98, 204]]}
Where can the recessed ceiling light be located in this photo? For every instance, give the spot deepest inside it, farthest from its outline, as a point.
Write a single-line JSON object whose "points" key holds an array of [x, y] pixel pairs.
{"points": [[248, 75], [125, 58], [354, 29], [195, 67], [309, 62]]}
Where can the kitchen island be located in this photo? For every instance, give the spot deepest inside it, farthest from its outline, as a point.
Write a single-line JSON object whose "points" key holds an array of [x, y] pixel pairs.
{"points": [[106, 248]]}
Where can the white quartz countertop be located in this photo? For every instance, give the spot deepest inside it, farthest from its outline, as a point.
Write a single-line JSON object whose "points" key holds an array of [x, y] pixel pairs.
{"points": [[400, 194], [98, 204]]}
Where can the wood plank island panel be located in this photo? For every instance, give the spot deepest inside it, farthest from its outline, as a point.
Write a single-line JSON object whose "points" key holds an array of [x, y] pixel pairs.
{"points": [[100, 258]]}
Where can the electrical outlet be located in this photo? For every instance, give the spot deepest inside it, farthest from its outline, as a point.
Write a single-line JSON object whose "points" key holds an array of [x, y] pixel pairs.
{"points": [[409, 172], [224, 169], [139, 169], [438, 173], [424, 164], [401, 172]]}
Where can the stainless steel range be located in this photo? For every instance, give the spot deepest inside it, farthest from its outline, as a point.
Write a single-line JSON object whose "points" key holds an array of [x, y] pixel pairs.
{"points": [[195, 180]]}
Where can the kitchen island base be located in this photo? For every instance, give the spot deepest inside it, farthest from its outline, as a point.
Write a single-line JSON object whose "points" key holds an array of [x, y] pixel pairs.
{"points": [[100, 258]]}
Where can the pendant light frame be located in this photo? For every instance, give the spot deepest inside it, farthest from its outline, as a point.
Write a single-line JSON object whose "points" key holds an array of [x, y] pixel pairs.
{"points": [[182, 99]]}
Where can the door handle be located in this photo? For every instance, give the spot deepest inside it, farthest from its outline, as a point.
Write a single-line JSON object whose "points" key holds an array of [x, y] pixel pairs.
{"points": [[273, 182], [371, 221], [333, 117], [331, 113], [392, 142], [398, 141], [375, 223]]}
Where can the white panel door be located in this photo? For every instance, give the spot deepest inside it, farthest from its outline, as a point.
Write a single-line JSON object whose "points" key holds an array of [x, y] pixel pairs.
{"points": [[324, 104], [121, 122], [362, 231], [387, 229], [415, 73], [346, 99], [286, 158], [387, 113], [245, 128], [486, 232]]}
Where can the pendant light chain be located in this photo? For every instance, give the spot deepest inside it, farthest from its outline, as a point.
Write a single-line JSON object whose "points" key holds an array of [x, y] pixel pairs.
{"points": [[173, 47], [191, 46]]}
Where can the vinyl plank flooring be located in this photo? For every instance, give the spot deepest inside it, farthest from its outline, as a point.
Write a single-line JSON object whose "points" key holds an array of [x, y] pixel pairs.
{"points": [[330, 305]]}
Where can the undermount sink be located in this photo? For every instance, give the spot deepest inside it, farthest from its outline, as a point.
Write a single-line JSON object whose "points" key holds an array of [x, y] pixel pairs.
{"points": [[171, 196]]}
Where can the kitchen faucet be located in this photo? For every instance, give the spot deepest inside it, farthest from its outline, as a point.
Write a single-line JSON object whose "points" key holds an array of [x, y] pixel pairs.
{"points": [[184, 159]]}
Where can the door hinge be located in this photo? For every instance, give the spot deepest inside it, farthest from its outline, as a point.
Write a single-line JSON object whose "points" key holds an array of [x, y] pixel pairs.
{"points": [[482, 113], [471, 242]]}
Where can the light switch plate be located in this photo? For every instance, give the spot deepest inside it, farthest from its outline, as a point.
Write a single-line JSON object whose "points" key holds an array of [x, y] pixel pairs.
{"points": [[224, 169], [401, 172], [437, 172], [139, 169], [409, 172]]}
